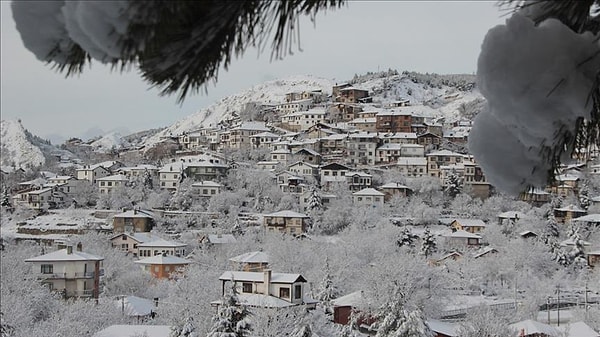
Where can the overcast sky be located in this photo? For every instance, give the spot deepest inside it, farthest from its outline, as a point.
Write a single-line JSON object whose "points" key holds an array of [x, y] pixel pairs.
{"points": [[442, 37]]}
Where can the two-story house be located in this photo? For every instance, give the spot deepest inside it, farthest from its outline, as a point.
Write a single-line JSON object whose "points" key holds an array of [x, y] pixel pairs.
{"points": [[128, 242], [333, 173], [72, 273], [362, 148], [207, 189], [107, 185], [135, 220], [267, 289], [253, 261], [368, 197], [437, 159], [469, 225], [289, 222], [163, 266], [161, 247], [92, 172], [171, 175], [358, 180]]}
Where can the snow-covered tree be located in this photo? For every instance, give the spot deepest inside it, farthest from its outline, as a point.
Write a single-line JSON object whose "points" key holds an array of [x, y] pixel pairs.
{"points": [[187, 329], [453, 184], [5, 198], [428, 243], [544, 111], [327, 289], [484, 322], [406, 238], [231, 320], [394, 320], [584, 195], [314, 200], [551, 229]]}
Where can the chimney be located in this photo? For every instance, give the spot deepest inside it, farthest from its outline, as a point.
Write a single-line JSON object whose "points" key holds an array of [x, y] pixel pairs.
{"points": [[267, 274], [156, 302], [69, 250], [79, 246]]}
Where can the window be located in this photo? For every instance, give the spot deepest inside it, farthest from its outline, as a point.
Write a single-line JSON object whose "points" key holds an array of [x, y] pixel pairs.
{"points": [[298, 291], [167, 268], [124, 246], [213, 192], [109, 183], [204, 191], [124, 237], [102, 183], [284, 292], [247, 287], [47, 269]]}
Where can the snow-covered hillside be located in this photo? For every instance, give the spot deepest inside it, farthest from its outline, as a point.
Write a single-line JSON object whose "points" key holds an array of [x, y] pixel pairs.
{"points": [[268, 92], [445, 93], [16, 150], [109, 142]]}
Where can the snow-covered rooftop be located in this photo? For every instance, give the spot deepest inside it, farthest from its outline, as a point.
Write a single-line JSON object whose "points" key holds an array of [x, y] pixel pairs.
{"points": [[63, 255], [260, 277], [531, 327], [162, 259], [251, 257], [287, 214], [135, 330], [369, 191]]}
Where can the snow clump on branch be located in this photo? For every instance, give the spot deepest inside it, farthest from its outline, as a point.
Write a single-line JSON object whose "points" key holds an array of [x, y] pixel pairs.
{"points": [[537, 81]]}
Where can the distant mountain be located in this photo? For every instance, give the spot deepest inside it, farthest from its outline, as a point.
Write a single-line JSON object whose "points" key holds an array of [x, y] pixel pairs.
{"points": [[18, 147]]}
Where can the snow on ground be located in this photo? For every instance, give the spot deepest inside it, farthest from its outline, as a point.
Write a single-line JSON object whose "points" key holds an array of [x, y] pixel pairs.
{"points": [[111, 141], [15, 149]]}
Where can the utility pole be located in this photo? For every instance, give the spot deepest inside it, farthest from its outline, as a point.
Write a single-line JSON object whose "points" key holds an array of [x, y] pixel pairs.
{"points": [[558, 305], [548, 308]]}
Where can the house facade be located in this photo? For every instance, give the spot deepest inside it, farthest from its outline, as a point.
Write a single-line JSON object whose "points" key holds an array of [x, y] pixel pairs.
{"points": [[289, 222], [70, 272]]}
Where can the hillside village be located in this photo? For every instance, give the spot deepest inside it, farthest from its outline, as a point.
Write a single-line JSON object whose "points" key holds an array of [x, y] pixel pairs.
{"points": [[349, 210]]}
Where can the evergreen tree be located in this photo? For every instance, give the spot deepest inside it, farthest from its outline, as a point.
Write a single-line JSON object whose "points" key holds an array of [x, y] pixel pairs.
{"points": [[552, 227], [393, 320], [428, 244], [584, 196], [406, 239], [328, 291], [231, 319], [5, 198], [577, 254], [314, 200], [187, 329], [453, 184], [147, 180]]}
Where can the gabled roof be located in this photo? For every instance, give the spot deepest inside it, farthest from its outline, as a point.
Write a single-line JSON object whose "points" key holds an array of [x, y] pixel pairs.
{"points": [[287, 214], [369, 191], [162, 243], [221, 238], [412, 161], [309, 151], [445, 328], [484, 251], [531, 327], [394, 186], [511, 215], [355, 299], [206, 183], [588, 218], [578, 329], [135, 330], [357, 173], [135, 306], [62, 255], [135, 214], [470, 222], [570, 208], [260, 277], [335, 167], [463, 234], [443, 153], [140, 237], [162, 259], [251, 257], [114, 177]]}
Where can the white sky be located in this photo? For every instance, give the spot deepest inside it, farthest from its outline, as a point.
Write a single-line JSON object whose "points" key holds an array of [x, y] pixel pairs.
{"points": [[442, 37]]}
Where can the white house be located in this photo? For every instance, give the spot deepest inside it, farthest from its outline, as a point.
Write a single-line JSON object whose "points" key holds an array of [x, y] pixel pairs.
{"points": [[207, 189], [73, 273], [368, 197], [161, 246], [267, 289], [107, 185]]}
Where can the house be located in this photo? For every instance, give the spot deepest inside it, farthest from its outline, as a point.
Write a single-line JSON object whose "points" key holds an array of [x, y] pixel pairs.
{"points": [[161, 247], [368, 197], [135, 220], [357, 180], [139, 172], [123, 330], [207, 189], [289, 222], [429, 140], [351, 95], [162, 266], [565, 184], [469, 225], [344, 306], [308, 156], [509, 217], [92, 172], [128, 242], [217, 239], [568, 213], [405, 138], [484, 251], [282, 155], [253, 261], [412, 166], [42, 198], [453, 255], [267, 165], [263, 138], [326, 199], [305, 170], [333, 173], [66, 184], [170, 175], [239, 137], [72, 273], [535, 196], [577, 329], [463, 238], [589, 220], [394, 120], [107, 185], [593, 258], [528, 234], [201, 170], [531, 328], [395, 190], [437, 159], [268, 289], [362, 148], [368, 124]]}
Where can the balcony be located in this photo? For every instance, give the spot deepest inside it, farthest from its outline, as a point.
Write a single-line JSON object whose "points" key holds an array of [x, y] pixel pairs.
{"points": [[83, 293], [53, 276], [84, 275]]}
